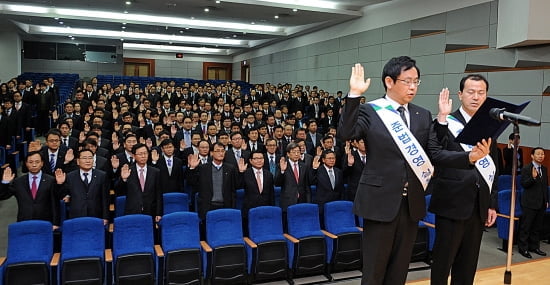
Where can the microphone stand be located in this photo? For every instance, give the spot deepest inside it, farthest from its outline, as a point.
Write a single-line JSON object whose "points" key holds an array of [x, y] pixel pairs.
{"points": [[508, 272]]}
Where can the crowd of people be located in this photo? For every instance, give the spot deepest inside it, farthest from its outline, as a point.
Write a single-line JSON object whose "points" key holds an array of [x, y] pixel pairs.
{"points": [[143, 141]]}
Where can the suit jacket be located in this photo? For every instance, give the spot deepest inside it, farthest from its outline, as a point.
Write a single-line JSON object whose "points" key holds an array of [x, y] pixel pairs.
{"points": [[230, 156], [13, 130], [252, 196], [148, 201], [73, 143], [201, 180], [170, 182], [386, 172], [535, 190], [90, 200], [5, 129], [293, 192], [352, 174], [456, 191], [507, 154], [325, 192], [59, 163], [44, 207], [24, 116]]}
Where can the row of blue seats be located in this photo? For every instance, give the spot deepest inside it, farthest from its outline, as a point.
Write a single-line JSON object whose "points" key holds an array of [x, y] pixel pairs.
{"points": [[225, 255]]}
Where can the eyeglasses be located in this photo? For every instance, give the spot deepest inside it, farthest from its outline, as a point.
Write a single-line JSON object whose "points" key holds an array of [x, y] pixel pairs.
{"points": [[257, 158], [410, 82]]}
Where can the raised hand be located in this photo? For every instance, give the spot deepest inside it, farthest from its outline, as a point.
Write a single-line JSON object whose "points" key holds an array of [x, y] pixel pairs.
{"points": [[173, 131], [445, 105], [69, 155], [59, 176], [149, 143], [155, 155], [115, 162], [242, 165], [81, 137], [534, 172], [319, 151], [283, 164], [125, 172], [357, 83], [480, 150], [8, 175], [193, 161], [183, 145], [35, 145], [316, 162], [351, 159]]}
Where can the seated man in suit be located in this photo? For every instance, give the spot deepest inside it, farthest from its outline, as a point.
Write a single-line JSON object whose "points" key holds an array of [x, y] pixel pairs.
{"points": [[141, 185], [87, 189], [215, 182], [35, 191], [257, 184], [171, 167]]}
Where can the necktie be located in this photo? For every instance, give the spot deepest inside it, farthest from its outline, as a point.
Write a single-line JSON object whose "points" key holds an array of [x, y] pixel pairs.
{"points": [[34, 187], [52, 162], [86, 181], [130, 160], [142, 179], [253, 146], [363, 159], [540, 171], [296, 172], [331, 176], [272, 166], [238, 152], [401, 110], [259, 180], [169, 162], [65, 142], [203, 160]]}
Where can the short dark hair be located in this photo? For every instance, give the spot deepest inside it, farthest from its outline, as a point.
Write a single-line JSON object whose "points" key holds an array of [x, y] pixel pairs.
{"points": [[535, 149], [395, 66], [138, 146], [83, 150], [475, 77], [291, 146], [31, 153], [511, 136]]}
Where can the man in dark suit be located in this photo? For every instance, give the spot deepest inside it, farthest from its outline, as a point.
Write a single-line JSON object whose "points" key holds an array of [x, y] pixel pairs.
{"points": [[329, 180], [66, 139], [353, 164], [53, 153], [171, 167], [36, 192], [258, 184], [215, 182], [141, 185], [23, 113], [313, 137], [390, 197], [294, 178], [508, 154], [236, 152], [534, 201], [272, 158], [463, 200], [11, 117], [86, 189], [5, 140]]}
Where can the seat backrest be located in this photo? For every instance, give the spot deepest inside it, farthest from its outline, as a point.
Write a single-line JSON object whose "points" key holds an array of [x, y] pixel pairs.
{"points": [[120, 204], [339, 217], [30, 241], [133, 234], [224, 227], [504, 199], [175, 202], [82, 237], [265, 223], [180, 230], [303, 220], [504, 182]]}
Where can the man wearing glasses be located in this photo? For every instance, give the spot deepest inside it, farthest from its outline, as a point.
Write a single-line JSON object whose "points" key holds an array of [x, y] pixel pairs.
{"points": [[54, 154]]}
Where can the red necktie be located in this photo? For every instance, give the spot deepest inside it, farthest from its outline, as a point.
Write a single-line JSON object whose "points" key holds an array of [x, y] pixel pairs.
{"points": [[259, 180], [142, 179], [34, 187], [296, 172]]}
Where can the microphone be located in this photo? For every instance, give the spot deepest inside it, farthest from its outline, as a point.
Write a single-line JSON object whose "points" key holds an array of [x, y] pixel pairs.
{"points": [[500, 114]]}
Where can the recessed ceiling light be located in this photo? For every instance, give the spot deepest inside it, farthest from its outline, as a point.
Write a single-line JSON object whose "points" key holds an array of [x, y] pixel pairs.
{"points": [[207, 9], [187, 28], [123, 27], [121, 40], [181, 32], [218, 1], [56, 18], [276, 17], [252, 23], [125, 12], [124, 24], [72, 39], [192, 18], [294, 10], [234, 36], [128, 2]]}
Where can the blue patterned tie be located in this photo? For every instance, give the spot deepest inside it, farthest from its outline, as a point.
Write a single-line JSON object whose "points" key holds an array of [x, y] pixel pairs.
{"points": [[52, 162]]}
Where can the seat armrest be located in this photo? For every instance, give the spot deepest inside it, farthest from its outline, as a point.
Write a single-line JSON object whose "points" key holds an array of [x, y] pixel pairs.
{"points": [[108, 255], [158, 250], [328, 234], [291, 238], [2, 260], [507, 216], [55, 259], [250, 243], [205, 246], [428, 224]]}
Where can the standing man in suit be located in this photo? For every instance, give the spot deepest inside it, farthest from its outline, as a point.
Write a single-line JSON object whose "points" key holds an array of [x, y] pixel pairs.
{"points": [[353, 165], [463, 200], [141, 185], [534, 201], [36, 192], [87, 189], [258, 184], [330, 182], [215, 181], [236, 151], [294, 178], [54, 154], [508, 155], [170, 166], [390, 197]]}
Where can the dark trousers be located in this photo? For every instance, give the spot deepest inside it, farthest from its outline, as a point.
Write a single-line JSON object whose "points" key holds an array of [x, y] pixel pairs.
{"points": [[456, 249], [530, 228], [387, 248]]}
